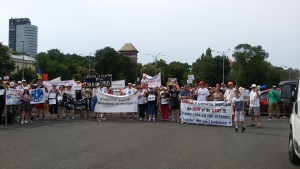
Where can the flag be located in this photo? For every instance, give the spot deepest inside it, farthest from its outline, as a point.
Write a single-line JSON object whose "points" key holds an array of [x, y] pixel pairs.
{"points": [[45, 77], [39, 72]]}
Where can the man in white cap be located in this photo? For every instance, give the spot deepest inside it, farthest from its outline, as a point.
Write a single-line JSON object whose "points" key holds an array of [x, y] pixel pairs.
{"points": [[254, 106], [19, 86]]}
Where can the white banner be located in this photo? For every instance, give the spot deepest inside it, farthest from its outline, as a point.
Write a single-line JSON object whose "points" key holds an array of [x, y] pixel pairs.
{"points": [[189, 81], [38, 95], [59, 83], [58, 79], [116, 85], [206, 112], [153, 81], [13, 96], [77, 87], [115, 104], [191, 77]]}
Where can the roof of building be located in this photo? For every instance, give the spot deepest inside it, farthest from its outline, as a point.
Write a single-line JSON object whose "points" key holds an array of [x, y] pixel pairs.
{"points": [[128, 47], [20, 57]]}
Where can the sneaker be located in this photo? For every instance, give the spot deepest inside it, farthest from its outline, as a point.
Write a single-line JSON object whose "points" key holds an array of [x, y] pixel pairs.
{"points": [[252, 125], [22, 122], [72, 118], [243, 129], [236, 130], [149, 119], [278, 118], [182, 122], [26, 122], [141, 119], [284, 117], [153, 118], [270, 118]]}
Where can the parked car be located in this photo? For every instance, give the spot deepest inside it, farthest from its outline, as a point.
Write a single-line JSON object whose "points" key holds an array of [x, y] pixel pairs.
{"points": [[287, 95], [264, 106], [294, 137]]}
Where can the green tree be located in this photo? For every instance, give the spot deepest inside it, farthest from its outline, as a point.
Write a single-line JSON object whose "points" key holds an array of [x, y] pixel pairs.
{"points": [[180, 71], [209, 68], [7, 65], [249, 66], [109, 61], [29, 75], [56, 69]]}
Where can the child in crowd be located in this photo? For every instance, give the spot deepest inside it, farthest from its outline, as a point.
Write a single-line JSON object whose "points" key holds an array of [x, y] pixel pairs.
{"points": [[238, 110]]}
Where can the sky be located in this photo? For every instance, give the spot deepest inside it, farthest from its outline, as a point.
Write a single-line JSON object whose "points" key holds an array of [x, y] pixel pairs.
{"points": [[180, 30]]}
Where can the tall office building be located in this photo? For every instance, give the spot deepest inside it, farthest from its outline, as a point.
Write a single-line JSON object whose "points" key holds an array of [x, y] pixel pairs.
{"points": [[23, 36]]}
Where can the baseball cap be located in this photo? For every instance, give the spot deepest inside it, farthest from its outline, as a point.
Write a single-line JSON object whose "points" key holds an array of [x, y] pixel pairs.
{"points": [[201, 83], [253, 85], [230, 83], [25, 88], [274, 86]]}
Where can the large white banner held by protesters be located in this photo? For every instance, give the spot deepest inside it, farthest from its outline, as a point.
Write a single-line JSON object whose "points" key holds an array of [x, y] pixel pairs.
{"points": [[153, 81], [209, 113], [115, 104]]}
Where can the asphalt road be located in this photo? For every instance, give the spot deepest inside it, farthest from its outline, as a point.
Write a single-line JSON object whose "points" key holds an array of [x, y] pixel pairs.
{"points": [[118, 143]]}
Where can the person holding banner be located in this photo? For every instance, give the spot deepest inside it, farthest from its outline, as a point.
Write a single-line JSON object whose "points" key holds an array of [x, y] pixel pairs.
{"points": [[101, 89], [202, 93], [61, 108], [141, 102], [71, 93], [164, 104], [151, 103], [25, 106], [128, 91], [53, 102], [175, 104], [2, 100], [185, 93], [40, 108]]}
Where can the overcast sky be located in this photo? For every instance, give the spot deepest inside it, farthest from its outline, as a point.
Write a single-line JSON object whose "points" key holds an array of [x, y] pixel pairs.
{"points": [[179, 29]]}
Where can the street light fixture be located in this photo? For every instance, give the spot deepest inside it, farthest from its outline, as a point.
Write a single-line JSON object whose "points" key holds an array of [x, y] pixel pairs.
{"points": [[155, 59]]}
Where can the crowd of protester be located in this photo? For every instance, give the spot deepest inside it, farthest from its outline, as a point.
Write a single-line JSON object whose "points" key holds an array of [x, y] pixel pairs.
{"points": [[152, 101]]}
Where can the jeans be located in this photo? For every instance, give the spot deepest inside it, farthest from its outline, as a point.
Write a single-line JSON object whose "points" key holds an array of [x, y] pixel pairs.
{"points": [[151, 108]]}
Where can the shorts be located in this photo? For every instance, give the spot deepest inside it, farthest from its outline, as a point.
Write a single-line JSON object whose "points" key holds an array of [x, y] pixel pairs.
{"points": [[40, 106], [254, 111], [239, 116], [274, 107]]}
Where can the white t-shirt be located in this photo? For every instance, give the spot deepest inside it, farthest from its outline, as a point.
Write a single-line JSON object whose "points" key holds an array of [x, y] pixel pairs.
{"points": [[254, 99], [229, 94], [141, 97], [202, 94], [128, 91], [103, 89], [70, 93]]}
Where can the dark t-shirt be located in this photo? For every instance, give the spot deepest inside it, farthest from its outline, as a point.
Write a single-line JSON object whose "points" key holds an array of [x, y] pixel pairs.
{"points": [[174, 98], [152, 97]]}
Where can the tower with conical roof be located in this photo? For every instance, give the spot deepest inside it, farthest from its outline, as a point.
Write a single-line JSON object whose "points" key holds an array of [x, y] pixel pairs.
{"points": [[128, 50]]}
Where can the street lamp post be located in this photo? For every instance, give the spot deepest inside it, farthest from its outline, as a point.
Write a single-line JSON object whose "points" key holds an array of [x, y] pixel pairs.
{"points": [[223, 56], [155, 59], [90, 63], [23, 61]]}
